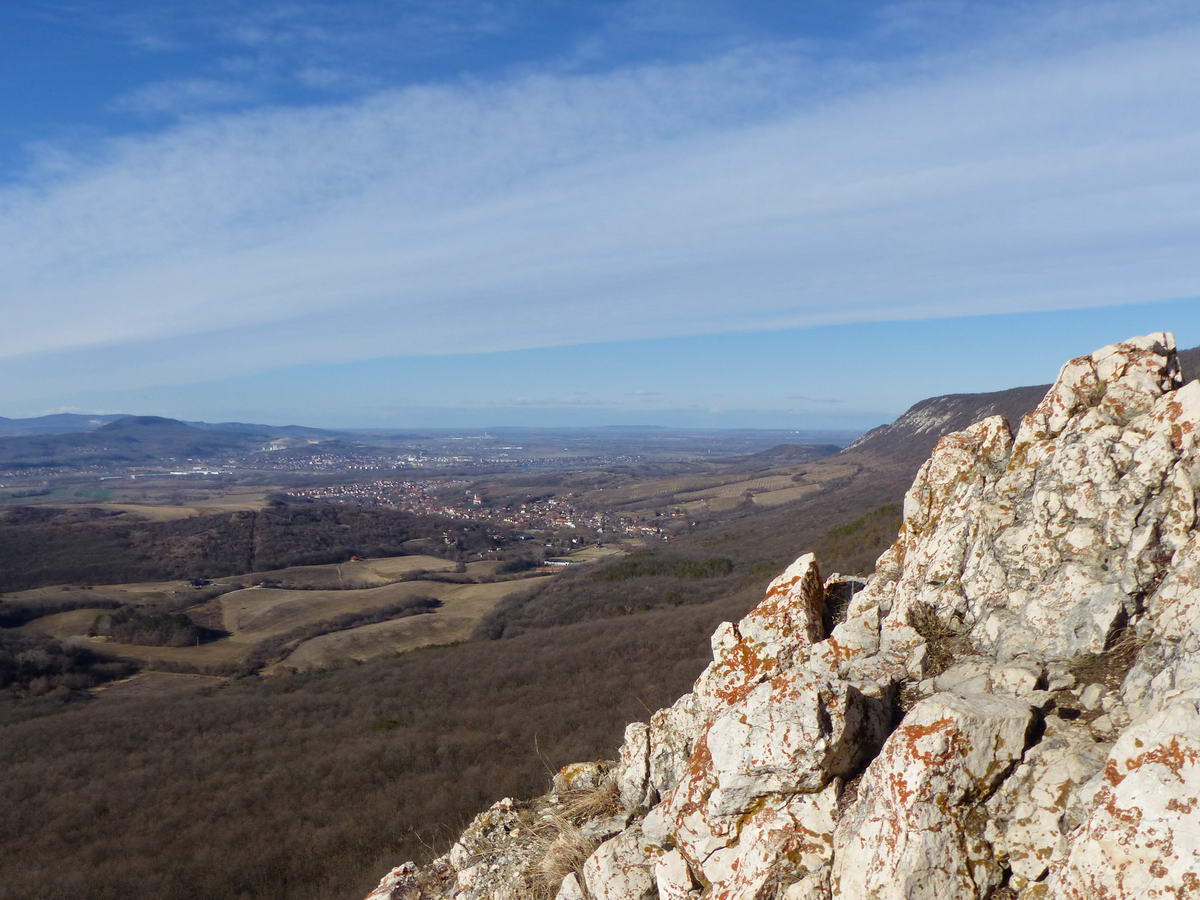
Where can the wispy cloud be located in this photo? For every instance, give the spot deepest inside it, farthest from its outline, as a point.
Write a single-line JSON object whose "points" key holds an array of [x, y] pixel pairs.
{"points": [[739, 192], [185, 95], [804, 398], [551, 402]]}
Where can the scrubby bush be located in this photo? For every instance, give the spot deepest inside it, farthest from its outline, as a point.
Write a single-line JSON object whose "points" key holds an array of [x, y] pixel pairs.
{"points": [[34, 665], [133, 625]]}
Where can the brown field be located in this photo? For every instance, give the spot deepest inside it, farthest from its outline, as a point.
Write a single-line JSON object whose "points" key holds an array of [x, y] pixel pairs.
{"points": [[786, 495], [74, 625], [651, 488], [254, 614], [716, 505], [463, 605], [161, 500], [366, 573], [724, 492], [259, 613], [483, 568], [154, 513], [738, 488], [65, 625], [592, 554], [398, 566], [135, 593], [233, 501]]}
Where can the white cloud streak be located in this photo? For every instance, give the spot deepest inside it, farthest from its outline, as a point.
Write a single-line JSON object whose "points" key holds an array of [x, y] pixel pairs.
{"points": [[745, 192], [188, 94]]}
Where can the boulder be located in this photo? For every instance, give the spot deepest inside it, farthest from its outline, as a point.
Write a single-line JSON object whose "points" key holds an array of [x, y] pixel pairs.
{"points": [[917, 828]]}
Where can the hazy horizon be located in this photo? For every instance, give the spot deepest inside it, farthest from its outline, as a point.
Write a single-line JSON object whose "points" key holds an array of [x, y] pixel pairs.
{"points": [[838, 368]]}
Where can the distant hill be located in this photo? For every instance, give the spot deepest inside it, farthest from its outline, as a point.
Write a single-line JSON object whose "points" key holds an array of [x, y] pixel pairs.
{"points": [[132, 439], [76, 423], [129, 439], [781, 454], [911, 438], [1189, 361], [297, 431], [59, 423]]}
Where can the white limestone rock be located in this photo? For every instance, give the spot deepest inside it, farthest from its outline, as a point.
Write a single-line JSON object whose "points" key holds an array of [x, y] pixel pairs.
{"points": [[632, 773], [776, 635], [1141, 839], [570, 889], [1169, 665], [620, 869], [673, 878], [1041, 544], [915, 831], [788, 738], [1032, 813], [1091, 696], [580, 776], [1017, 678], [782, 842]]}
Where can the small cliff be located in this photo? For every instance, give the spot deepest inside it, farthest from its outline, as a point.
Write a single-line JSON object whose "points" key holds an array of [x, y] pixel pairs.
{"points": [[1010, 706]]}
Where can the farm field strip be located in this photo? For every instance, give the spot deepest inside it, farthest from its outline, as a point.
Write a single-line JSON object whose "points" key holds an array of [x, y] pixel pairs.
{"points": [[254, 614], [463, 606]]}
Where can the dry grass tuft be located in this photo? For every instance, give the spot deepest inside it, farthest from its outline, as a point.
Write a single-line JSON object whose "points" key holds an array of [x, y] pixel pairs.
{"points": [[559, 848], [944, 645], [555, 845], [595, 802], [1110, 666]]}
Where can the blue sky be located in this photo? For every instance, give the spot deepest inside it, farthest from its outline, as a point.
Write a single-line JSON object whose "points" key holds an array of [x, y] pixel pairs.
{"points": [[719, 213]]}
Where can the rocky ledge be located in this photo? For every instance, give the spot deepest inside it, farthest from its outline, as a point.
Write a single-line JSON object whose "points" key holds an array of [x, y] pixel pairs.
{"points": [[1009, 707]]}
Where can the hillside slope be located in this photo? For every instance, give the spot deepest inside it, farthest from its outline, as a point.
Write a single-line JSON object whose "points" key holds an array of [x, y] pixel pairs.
{"points": [[76, 440], [1011, 704]]}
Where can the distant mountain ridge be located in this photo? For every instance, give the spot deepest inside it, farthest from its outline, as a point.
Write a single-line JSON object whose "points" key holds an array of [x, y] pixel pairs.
{"points": [[76, 423], [56, 423], [142, 439]]}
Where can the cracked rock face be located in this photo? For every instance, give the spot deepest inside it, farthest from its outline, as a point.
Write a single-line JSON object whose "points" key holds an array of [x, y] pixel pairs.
{"points": [[915, 831], [1013, 700]]}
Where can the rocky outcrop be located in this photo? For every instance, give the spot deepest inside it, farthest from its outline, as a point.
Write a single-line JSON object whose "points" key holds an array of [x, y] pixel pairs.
{"points": [[1011, 705], [911, 438]]}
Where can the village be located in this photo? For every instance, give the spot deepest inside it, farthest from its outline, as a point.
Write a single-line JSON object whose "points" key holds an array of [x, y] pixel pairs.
{"points": [[452, 498]]}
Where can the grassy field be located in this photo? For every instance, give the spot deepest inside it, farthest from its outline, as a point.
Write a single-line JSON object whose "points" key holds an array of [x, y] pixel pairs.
{"points": [[136, 593], [366, 573], [463, 607], [309, 595], [159, 500], [258, 613], [719, 493], [593, 554]]}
